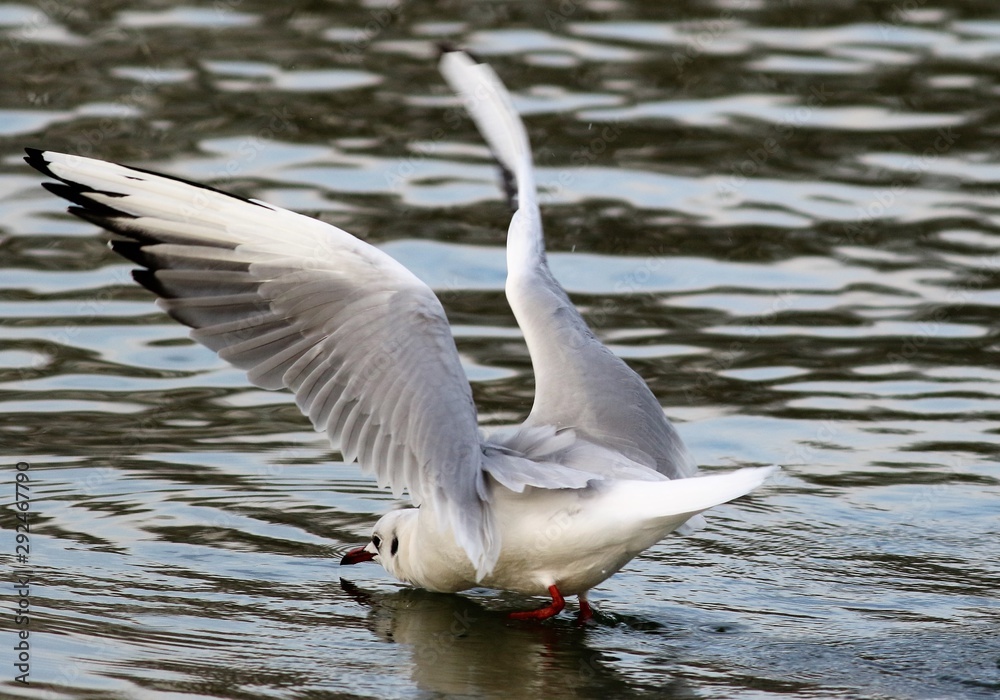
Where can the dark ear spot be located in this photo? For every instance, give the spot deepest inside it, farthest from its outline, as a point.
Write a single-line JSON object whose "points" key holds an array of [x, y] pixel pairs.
{"points": [[395, 546]]}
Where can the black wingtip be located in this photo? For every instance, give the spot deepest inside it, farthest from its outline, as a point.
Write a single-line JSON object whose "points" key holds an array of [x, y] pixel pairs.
{"points": [[130, 250], [77, 194], [147, 278], [444, 47], [509, 184], [116, 222], [36, 159]]}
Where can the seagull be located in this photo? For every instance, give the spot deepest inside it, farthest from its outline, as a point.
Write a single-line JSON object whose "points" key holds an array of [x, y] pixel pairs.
{"points": [[595, 475]]}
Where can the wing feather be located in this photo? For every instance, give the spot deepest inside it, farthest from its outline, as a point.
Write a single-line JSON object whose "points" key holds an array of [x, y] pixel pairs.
{"points": [[364, 345], [579, 383]]}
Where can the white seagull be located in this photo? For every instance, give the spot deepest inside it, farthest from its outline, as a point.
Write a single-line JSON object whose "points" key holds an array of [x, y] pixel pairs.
{"points": [[594, 476]]}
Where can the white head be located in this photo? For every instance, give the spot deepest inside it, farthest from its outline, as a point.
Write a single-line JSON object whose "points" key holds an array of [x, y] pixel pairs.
{"points": [[390, 544]]}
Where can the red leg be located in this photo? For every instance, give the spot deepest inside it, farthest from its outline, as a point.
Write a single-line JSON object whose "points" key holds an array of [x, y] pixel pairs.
{"points": [[586, 612], [543, 613]]}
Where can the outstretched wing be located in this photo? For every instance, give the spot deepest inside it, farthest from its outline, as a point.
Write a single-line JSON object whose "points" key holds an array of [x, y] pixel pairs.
{"points": [[297, 303], [579, 383]]}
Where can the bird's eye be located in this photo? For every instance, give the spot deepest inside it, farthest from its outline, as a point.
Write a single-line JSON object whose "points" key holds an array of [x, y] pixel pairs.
{"points": [[395, 546], [377, 541]]}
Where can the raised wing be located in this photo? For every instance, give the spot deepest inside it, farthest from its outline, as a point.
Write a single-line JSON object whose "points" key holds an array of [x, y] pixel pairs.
{"points": [[297, 303], [579, 383]]}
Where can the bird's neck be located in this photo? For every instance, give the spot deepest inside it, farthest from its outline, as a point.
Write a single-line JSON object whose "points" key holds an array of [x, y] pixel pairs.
{"points": [[428, 556]]}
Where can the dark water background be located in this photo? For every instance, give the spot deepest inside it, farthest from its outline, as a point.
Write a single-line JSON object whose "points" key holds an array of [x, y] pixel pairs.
{"points": [[784, 214]]}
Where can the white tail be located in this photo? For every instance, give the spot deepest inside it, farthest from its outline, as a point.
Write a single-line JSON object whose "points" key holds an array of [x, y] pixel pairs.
{"points": [[679, 499]]}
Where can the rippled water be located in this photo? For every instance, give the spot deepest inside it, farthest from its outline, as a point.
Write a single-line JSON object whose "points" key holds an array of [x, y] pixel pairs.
{"points": [[784, 214]]}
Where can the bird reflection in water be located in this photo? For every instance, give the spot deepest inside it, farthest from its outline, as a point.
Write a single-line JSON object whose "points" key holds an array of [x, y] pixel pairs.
{"points": [[459, 647]]}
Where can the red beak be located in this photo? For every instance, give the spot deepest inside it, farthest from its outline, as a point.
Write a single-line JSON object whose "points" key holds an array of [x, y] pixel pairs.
{"points": [[356, 556]]}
